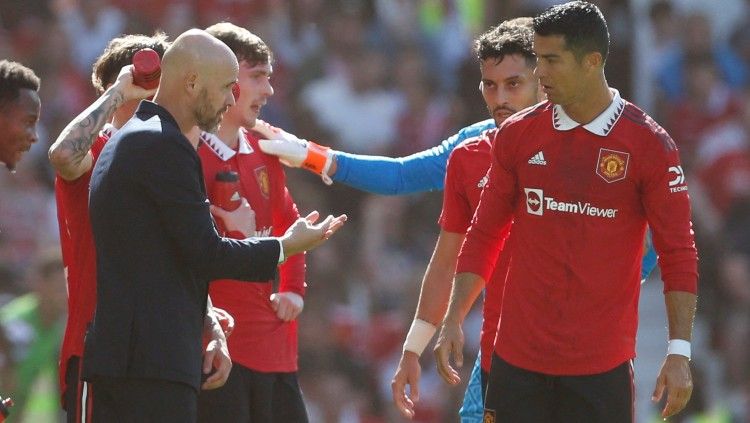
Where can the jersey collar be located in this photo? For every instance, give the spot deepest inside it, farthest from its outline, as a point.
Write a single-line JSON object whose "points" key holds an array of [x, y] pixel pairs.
{"points": [[603, 123], [223, 151]]}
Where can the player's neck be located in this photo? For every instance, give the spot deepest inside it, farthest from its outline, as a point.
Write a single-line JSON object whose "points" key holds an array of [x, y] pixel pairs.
{"points": [[591, 103], [228, 134]]}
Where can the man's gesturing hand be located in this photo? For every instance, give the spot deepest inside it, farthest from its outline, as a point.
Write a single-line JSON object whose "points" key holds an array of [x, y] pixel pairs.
{"points": [[450, 341], [304, 235], [407, 373], [675, 378]]}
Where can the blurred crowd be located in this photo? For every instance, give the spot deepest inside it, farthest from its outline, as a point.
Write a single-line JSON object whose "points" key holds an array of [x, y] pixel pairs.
{"points": [[387, 77]]}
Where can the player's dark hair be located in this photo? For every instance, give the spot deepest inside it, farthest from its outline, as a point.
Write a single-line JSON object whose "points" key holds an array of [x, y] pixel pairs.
{"points": [[514, 36], [119, 53], [243, 43], [13, 78], [580, 23]]}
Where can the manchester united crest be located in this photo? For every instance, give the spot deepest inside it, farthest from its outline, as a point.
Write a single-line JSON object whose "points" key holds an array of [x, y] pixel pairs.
{"points": [[264, 183], [489, 416], [612, 165]]}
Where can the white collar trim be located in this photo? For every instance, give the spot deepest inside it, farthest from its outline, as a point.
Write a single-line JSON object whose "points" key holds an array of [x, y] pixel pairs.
{"points": [[602, 125], [223, 151]]}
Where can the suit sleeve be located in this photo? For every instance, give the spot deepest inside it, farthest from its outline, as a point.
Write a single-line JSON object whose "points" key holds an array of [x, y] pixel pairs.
{"points": [[419, 172], [488, 231], [293, 270], [173, 179], [667, 205]]}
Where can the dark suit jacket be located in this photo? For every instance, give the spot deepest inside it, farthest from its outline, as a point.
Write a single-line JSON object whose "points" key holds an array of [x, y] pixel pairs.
{"points": [[156, 250]]}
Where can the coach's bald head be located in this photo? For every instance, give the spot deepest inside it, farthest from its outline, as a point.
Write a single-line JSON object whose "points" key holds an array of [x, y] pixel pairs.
{"points": [[198, 72]]}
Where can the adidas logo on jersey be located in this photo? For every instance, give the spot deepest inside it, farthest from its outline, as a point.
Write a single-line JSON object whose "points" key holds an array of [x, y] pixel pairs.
{"points": [[538, 159]]}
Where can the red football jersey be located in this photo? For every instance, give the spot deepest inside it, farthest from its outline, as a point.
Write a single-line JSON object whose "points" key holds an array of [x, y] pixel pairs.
{"points": [[260, 341], [580, 197], [465, 177], [79, 256]]}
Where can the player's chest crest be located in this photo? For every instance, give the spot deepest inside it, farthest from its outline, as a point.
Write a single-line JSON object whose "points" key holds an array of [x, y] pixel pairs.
{"points": [[263, 180], [612, 165]]}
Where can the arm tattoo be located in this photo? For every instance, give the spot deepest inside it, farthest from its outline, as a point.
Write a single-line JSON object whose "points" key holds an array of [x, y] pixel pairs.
{"points": [[80, 133]]}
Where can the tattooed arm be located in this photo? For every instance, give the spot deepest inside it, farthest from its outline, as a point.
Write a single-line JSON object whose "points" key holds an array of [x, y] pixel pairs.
{"points": [[70, 155]]}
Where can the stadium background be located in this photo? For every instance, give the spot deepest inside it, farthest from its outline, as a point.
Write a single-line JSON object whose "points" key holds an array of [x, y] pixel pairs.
{"points": [[394, 77]]}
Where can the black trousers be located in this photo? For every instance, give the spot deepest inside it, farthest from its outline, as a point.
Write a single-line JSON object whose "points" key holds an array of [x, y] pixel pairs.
{"points": [[131, 400], [253, 397], [76, 396], [520, 396]]}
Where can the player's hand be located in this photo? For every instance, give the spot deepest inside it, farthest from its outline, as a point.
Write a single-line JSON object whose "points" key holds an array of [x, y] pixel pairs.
{"points": [[408, 373], [450, 342], [240, 220], [216, 358], [674, 378], [287, 305], [226, 321], [290, 149], [304, 234], [124, 84]]}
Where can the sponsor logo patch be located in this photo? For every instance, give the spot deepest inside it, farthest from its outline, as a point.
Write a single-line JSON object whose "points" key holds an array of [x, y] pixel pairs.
{"points": [[537, 203], [483, 182], [612, 165], [677, 183]]}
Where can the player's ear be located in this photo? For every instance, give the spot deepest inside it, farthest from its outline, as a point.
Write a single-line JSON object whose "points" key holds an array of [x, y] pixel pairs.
{"points": [[593, 60]]}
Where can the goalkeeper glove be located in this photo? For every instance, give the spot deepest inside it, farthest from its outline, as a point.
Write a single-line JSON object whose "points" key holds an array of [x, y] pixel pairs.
{"points": [[294, 151]]}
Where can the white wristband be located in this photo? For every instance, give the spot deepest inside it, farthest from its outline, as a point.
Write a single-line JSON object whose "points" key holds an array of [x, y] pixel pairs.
{"points": [[420, 334], [679, 347]]}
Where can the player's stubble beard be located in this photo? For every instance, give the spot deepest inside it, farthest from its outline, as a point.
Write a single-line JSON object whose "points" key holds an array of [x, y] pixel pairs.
{"points": [[206, 118]]}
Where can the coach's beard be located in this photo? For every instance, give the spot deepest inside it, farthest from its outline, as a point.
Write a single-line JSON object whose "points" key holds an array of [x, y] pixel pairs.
{"points": [[208, 121]]}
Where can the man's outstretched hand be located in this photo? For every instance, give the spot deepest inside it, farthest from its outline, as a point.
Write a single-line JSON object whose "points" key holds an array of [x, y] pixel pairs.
{"points": [[304, 234]]}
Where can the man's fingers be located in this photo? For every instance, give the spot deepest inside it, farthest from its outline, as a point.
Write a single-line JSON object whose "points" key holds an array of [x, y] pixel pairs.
{"points": [[208, 358], [336, 224], [312, 217], [217, 379], [659, 389], [443, 366], [676, 401], [458, 351], [403, 403], [414, 389]]}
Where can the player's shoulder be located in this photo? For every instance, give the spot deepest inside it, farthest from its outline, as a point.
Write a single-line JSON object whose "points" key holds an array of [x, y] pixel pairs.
{"points": [[481, 142], [476, 129], [650, 132], [523, 118]]}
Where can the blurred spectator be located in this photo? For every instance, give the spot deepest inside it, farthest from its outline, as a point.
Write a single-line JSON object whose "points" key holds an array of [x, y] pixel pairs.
{"points": [[89, 25], [697, 41], [426, 115], [356, 105], [35, 323], [706, 101]]}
